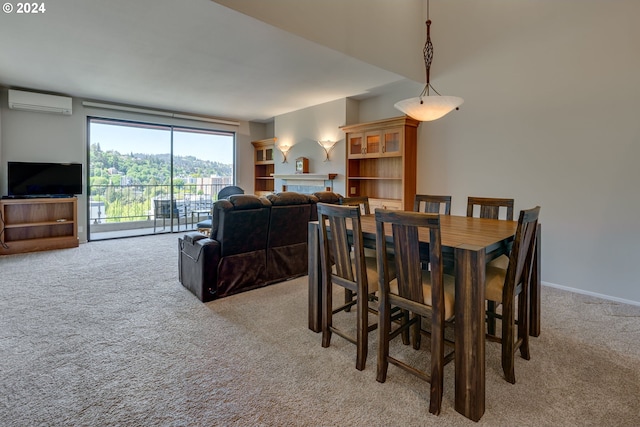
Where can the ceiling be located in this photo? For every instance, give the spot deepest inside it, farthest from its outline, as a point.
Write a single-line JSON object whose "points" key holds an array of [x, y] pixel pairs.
{"points": [[195, 57]]}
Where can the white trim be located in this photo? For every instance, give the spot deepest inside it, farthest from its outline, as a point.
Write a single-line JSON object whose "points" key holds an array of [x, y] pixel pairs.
{"points": [[592, 294], [92, 104]]}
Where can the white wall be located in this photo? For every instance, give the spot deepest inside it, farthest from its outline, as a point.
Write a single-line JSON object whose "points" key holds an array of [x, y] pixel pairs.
{"points": [[550, 118], [302, 129]]}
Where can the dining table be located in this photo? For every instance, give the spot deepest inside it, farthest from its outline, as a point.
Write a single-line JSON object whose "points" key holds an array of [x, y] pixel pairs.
{"points": [[468, 244]]}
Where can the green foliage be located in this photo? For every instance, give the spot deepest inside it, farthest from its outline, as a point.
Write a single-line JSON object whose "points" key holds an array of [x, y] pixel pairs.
{"points": [[151, 169], [126, 202]]}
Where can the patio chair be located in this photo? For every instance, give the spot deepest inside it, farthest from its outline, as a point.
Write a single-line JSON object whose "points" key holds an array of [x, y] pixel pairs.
{"points": [[168, 209]]}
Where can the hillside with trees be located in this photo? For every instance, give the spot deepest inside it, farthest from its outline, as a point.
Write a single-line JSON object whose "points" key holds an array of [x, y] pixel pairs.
{"points": [[149, 169], [127, 183]]}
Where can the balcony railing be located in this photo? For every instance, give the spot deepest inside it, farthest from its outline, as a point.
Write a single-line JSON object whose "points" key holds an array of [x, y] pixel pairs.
{"points": [[118, 207]]}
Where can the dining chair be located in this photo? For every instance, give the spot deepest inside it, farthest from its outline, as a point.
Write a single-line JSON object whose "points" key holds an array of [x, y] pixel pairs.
{"points": [[432, 204], [424, 293], [361, 201], [346, 267], [490, 207], [504, 286]]}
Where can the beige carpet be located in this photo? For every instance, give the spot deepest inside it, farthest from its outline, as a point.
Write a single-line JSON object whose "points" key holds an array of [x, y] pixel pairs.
{"points": [[104, 334]]}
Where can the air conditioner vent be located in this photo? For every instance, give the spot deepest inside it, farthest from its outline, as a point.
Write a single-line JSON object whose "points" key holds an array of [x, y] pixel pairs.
{"points": [[39, 102]]}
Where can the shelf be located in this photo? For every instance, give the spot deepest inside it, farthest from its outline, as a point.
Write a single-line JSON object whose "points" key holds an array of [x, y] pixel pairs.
{"points": [[308, 176], [38, 224]]}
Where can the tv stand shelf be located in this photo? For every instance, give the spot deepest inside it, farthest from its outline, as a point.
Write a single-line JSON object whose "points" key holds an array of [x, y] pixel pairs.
{"points": [[29, 225]]}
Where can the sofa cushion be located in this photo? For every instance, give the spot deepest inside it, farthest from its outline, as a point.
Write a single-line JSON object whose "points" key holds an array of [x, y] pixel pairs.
{"points": [[328, 197], [236, 202], [288, 198]]}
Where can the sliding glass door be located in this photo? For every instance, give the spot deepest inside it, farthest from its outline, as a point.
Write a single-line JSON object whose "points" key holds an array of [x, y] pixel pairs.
{"points": [[147, 178]]}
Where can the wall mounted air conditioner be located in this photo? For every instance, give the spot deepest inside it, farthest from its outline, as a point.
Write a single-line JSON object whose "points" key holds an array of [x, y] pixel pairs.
{"points": [[39, 102]]}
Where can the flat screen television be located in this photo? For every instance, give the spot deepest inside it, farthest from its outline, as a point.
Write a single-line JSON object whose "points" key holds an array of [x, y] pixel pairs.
{"points": [[27, 179]]}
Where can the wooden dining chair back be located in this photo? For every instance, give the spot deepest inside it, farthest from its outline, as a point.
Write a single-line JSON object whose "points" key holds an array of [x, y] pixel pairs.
{"points": [[432, 204], [361, 201], [504, 286], [490, 207], [423, 293], [343, 263]]}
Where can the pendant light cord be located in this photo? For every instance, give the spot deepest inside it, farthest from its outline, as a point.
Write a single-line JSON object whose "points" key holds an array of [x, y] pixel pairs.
{"points": [[427, 53]]}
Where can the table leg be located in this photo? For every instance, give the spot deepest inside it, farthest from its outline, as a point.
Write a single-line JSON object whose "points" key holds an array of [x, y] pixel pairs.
{"points": [[470, 331], [315, 278], [534, 288]]}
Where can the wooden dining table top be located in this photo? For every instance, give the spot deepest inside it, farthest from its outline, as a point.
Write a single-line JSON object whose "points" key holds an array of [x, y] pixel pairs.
{"points": [[458, 230]]}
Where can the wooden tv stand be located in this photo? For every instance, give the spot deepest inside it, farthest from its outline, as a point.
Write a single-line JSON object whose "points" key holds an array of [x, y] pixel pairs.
{"points": [[29, 225]]}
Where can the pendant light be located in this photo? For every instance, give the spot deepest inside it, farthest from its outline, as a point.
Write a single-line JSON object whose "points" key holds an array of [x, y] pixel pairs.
{"points": [[427, 107]]}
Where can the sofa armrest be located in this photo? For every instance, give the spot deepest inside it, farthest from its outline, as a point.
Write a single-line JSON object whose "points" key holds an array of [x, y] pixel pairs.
{"points": [[198, 261]]}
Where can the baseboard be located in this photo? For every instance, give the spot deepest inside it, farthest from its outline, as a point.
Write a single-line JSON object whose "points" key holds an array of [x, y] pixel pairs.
{"points": [[592, 294]]}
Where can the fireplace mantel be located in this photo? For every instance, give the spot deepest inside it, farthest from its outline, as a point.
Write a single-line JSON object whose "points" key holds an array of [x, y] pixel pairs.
{"points": [[306, 182], [307, 176]]}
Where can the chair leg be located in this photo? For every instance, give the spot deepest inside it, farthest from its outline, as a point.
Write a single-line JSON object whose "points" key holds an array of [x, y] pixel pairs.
{"points": [[491, 320], [523, 324], [362, 340], [348, 297], [437, 364], [327, 308], [405, 333], [508, 340], [384, 328], [415, 331]]}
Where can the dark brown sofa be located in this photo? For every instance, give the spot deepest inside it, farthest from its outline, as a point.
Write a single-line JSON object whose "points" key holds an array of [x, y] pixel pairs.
{"points": [[254, 241]]}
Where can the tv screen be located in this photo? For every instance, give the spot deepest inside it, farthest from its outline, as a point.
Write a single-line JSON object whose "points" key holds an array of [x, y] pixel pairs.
{"points": [[44, 179]]}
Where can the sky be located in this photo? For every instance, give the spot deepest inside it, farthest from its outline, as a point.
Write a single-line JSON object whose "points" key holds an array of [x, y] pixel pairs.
{"points": [[125, 139]]}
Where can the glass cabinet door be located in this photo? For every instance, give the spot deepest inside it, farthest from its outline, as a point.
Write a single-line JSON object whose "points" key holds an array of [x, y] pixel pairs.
{"points": [[355, 145], [392, 142], [373, 143]]}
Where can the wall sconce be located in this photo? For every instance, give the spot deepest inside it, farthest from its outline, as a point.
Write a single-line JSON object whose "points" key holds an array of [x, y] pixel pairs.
{"points": [[284, 149], [327, 146]]}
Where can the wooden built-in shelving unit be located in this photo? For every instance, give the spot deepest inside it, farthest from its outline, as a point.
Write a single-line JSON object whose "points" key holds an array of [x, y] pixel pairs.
{"points": [[29, 225], [264, 166], [381, 162]]}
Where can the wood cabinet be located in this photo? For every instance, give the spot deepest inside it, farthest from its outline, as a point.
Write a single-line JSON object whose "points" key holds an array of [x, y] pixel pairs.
{"points": [[381, 162], [30, 225], [264, 166]]}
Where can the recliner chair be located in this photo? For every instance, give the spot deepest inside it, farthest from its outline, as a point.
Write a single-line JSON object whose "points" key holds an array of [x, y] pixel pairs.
{"points": [[204, 226]]}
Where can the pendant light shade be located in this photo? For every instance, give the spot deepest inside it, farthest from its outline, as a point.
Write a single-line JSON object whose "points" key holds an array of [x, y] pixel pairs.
{"points": [[427, 107]]}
